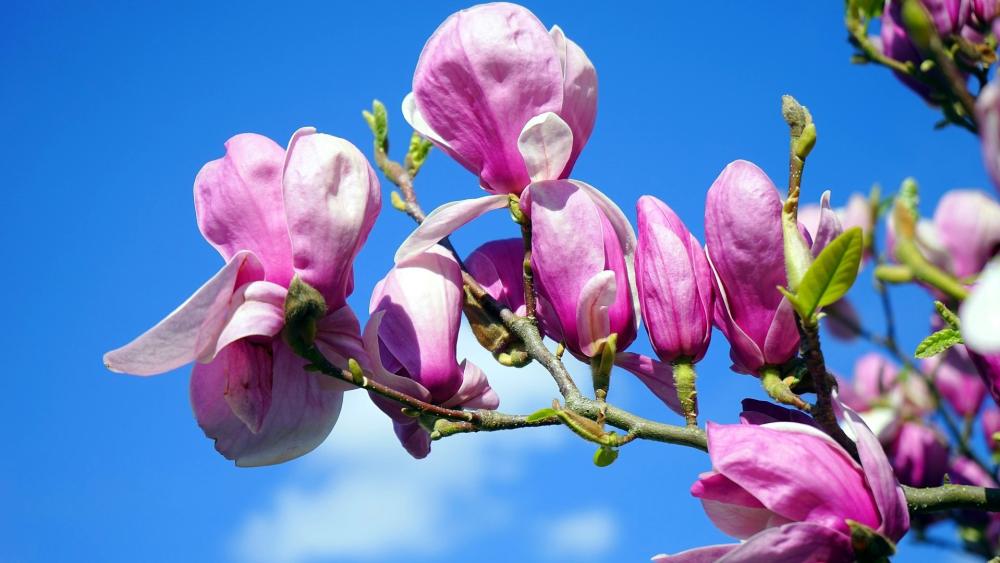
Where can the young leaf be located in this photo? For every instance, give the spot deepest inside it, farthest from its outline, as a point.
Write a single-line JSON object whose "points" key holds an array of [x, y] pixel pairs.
{"points": [[541, 415], [938, 342], [947, 315], [831, 274]]}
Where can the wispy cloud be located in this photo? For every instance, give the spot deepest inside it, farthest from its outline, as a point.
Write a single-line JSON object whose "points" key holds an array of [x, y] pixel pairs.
{"points": [[589, 535], [361, 496]]}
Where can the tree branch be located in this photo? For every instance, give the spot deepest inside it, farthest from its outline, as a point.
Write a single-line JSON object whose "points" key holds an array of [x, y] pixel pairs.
{"points": [[947, 497]]}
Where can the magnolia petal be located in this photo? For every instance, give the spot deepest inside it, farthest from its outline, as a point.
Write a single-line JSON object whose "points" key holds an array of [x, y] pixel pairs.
{"points": [[797, 542], [238, 203], [592, 321], [247, 368], [303, 409], [888, 495], [415, 440], [412, 115], [707, 554], [579, 108], [378, 372], [190, 330], [258, 309], [746, 355], [979, 312], [546, 143], [828, 226], [332, 198], [475, 392], [658, 377], [338, 337], [445, 220], [790, 468], [626, 236]]}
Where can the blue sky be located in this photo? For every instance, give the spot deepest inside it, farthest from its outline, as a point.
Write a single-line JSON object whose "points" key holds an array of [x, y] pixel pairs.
{"points": [[108, 111]]}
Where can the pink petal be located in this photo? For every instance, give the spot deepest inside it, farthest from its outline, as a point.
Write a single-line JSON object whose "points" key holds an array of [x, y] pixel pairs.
{"points": [[191, 330], [579, 108], [545, 143], [782, 340], [238, 201], [895, 518], [980, 321], [248, 372], [304, 408], [378, 371], [658, 377], [412, 115], [828, 226], [746, 355], [332, 198], [499, 267], [475, 392], [445, 220], [592, 322], [799, 542], [968, 225], [258, 309], [707, 554], [733, 510], [793, 473], [422, 300]]}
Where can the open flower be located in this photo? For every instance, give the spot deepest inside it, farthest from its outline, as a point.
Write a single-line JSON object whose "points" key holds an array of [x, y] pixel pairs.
{"points": [[488, 71], [271, 216], [411, 338], [770, 485]]}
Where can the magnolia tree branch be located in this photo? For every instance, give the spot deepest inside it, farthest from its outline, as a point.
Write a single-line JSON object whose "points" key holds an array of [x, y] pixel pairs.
{"points": [[947, 497]]}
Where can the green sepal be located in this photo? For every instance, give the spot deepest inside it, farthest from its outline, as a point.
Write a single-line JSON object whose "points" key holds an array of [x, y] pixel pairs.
{"points": [[869, 545], [304, 305], [605, 456]]}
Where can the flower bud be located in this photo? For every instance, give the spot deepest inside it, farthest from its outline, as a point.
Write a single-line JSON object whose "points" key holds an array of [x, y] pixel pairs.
{"points": [[675, 284], [744, 243], [957, 380], [919, 455], [578, 257]]}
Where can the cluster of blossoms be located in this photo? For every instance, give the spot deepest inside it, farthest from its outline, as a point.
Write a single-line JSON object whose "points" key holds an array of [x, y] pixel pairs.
{"points": [[276, 345]]}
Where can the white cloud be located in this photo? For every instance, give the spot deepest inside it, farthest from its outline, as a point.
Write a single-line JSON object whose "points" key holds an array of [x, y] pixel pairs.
{"points": [[361, 496], [587, 534]]}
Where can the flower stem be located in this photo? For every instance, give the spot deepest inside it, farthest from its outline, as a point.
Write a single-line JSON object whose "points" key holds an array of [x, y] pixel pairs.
{"points": [[684, 381]]}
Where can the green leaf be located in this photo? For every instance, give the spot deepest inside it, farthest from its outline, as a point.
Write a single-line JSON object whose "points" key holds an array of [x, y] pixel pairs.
{"points": [[938, 342], [831, 274], [605, 456], [542, 414], [416, 155], [947, 315]]}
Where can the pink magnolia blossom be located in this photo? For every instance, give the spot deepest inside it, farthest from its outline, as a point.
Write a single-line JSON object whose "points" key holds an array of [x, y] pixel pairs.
{"points": [[988, 117], [770, 486], [412, 337], [980, 323], [949, 18], [957, 379], [918, 455], [499, 267], [743, 241], [271, 215], [877, 383], [675, 283], [988, 366], [484, 76], [968, 226]]}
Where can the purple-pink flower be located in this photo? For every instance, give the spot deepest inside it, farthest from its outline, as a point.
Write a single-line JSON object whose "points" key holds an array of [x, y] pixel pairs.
{"points": [[412, 337], [498, 266], [675, 283], [743, 240], [271, 215], [484, 76], [957, 380], [770, 486], [918, 455]]}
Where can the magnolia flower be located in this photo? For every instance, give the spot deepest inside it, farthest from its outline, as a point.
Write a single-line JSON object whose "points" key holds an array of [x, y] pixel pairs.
{"points": [[988, 117], [675, 284], [770, 486], [967, 223], [411, 338], [980, 321], [271, 216], [498, 266], [877, 384], [918, 455], [484, 75], [949, 18], [743, 241]]}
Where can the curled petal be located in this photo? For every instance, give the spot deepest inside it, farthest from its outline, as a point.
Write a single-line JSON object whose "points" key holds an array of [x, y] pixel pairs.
{"points": [[592, 322], [828, 226], [546, 143], [303, 408], [332, 198], [445, 220], [475, 392], [239, 206], [499, 267], [658, 377], [378, 371], [794, 543], [258, 309], [191, 330]]}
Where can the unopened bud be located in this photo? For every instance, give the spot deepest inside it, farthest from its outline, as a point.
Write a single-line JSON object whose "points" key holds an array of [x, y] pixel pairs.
{"points": [[303, 307]]}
